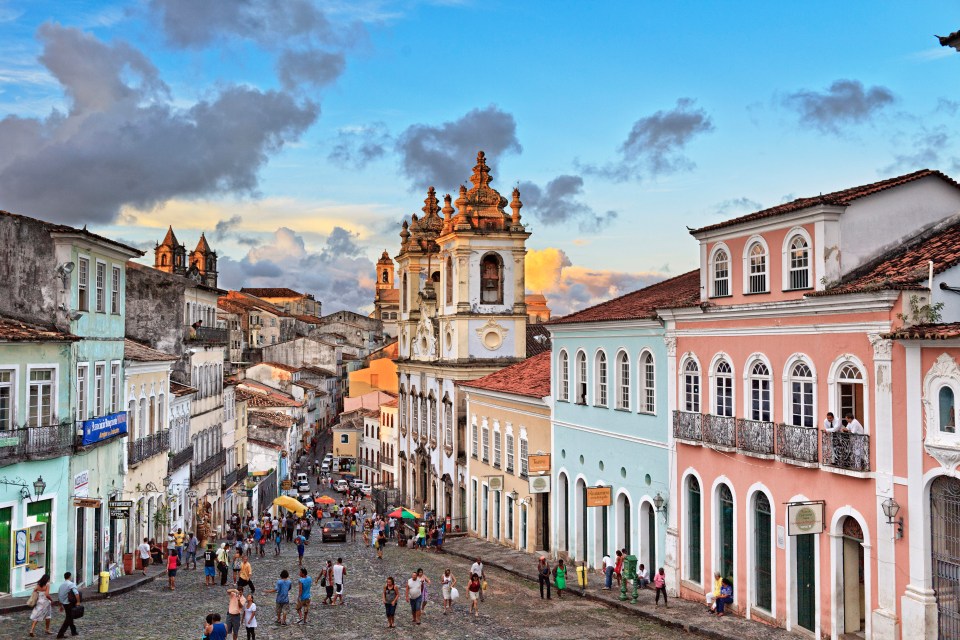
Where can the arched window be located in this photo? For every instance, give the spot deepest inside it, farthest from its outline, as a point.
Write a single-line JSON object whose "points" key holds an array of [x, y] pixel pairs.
{"points": [[448, 422], [423, 417], [163, 260], [600, 396], [801, 395], [725, 530], [449, 287], [434, 430], [757, 262], [491, 279], [693, 530], [799, 263], [691, 387], [623, 380], [762, 545], [581, 373], [385, 276], [948, 421], [415, 414], [723, 389], [721, 273], [760, 392], [850, 392], [648, 379], [563, 392]]}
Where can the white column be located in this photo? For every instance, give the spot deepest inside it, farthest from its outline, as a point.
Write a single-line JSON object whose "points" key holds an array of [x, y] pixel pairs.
{"points": [[672, 550]]}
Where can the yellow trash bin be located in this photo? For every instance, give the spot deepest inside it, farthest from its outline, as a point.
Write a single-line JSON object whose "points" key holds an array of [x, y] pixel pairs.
{"points": [[581, 576], [104, 581]]}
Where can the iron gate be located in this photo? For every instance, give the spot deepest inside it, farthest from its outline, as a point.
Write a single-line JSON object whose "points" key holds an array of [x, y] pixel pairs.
{"points": [[945, 545]]}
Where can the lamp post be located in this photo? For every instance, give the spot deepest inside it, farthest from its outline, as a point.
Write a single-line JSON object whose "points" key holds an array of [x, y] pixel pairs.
{"points": [[39, 486], [890, 509], [660, 504]]}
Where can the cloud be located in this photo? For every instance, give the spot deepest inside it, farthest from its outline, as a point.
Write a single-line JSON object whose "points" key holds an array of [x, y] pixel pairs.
{"points": [[736, 205], [846, 102], [656, 143], [229, 229], [569, 288], [356, 147], [123, 142], [311, 67], [926, 150], [442, 155], [338, 274], [557, 203]]}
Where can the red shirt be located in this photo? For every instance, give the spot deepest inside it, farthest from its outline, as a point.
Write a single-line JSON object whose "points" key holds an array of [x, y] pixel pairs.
{"points": [[172, 562]]}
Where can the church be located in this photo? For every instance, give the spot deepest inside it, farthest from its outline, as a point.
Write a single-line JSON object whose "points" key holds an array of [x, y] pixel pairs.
{"points": [[462, 315]]}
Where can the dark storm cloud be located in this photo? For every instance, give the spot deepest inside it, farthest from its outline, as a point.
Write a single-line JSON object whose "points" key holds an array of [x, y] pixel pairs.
{"points": [[737, 206], [557, 203], [309, 67], [656, 143], [357, 147], [443, 155], [845, 102], [123, 142]]}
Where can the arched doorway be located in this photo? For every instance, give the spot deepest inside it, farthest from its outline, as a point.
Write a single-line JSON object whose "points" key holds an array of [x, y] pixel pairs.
{"points": [[623, 522], [648, 537], [423, 481], [564, 523], [945, 551], [854, 610], [581, 520]]}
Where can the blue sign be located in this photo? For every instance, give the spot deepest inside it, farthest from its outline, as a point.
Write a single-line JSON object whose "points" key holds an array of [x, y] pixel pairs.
{"points": [[104, 428]]}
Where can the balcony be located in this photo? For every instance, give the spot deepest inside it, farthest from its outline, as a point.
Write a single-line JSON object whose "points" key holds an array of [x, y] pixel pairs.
{"points": [[200, 471], [36, 443], [719, 432], [756, 438], [207, 335], [237, 475], [850, 451], [688, 426], [798, 445], [142, 448], [179, 459]]}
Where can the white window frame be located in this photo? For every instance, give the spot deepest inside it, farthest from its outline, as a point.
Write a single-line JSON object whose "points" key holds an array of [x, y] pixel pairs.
{"points": [[622, 372], [786, 264], [788, 379], [100, 286], [580, 379], [115, 283], [511, 459], [713, 279], [99, 388], [475, 439], [692, 400], [83, 283], [563, 364], [116, 382], [83, 391], [12, 385], [647, 392], [485, 441], [749, 377], [497, 445], [833, 387], [54, 385], [601, 374], [524, 453], [722, 406], [747, 265]]}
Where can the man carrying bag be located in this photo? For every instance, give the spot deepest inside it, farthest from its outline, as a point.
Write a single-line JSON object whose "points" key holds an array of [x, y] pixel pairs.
{"points": [[69, 597]]}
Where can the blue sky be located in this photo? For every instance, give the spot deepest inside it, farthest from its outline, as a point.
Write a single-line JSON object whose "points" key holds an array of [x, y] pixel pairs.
{"points": [[666, 114]]}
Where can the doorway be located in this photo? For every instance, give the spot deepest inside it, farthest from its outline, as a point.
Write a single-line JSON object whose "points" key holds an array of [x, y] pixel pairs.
{"points": [[623, 518], [6, 533], [581, 485], [648, 537], [543, 521], [523, 527], [806, 581], [854, 611], [945, 553], [486, 511], [81, 547]]}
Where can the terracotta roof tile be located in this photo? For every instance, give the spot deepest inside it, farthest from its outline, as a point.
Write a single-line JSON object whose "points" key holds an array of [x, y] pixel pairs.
{"points": [[274, 292], [530, 377], [309, 319], [178, 389], [16, 331], [137, 352], [538, 339], [280, 365], [270, 419], [837, 198], [944, 331], [390, 403], [319, 371], [681, 291]]}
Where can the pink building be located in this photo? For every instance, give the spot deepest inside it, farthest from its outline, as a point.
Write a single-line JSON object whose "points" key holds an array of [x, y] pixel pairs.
{"points": [[802, 313]]}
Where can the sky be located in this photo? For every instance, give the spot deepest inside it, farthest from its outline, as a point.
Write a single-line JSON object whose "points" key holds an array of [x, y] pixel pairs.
{"points": [[298, 134]]}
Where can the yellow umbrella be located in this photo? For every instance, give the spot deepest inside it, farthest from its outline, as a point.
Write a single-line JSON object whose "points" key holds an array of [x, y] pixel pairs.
{"points": [[291, 504]]}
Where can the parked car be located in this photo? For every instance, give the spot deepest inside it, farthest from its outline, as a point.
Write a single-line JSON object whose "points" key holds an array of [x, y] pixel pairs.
{"points": [[303, 486], [342, 486], [366, 489], [333, 530], [356, 483], [302, 478], [325, 467]]}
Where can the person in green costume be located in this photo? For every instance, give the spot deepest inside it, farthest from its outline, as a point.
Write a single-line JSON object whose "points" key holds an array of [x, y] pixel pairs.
{"points": [[560, 578]]}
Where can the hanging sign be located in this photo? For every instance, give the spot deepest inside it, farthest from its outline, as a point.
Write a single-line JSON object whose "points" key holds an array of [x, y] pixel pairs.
{"points": [[119, 514], [104, 428], [804, 518], [538, 463], [20, 541], [539, 484], [495, 483], [599, 496], [120, 504], [86, 503]]}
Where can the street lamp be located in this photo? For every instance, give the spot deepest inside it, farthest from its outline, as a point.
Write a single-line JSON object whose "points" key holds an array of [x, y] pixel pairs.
{"points": [[39, 486], [166, 482], [514, 495], [660, 504], [890, 509]]}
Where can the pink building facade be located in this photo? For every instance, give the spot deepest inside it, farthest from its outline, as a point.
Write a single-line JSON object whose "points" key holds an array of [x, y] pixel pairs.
{"points": [[812, 307]]}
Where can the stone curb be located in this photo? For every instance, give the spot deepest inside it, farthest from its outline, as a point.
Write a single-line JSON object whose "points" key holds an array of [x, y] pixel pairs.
{"points": [[91, 597]]}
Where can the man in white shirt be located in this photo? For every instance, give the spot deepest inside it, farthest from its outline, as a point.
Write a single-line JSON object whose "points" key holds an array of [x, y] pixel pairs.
{"points": [[415, 596], [339, 571], [853, 425], [607, 567], [477, 568], [144, 550], [858, 456], [831, 424]]}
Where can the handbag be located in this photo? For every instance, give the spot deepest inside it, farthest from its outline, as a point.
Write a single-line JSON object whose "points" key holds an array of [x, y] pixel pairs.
{"points": [[77, 611], [32, 600], [483, 585]]}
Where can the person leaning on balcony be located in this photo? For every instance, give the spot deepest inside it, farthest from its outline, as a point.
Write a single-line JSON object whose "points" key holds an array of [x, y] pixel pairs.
{"points": [[831, 424], [857, 453], [713, 595]]}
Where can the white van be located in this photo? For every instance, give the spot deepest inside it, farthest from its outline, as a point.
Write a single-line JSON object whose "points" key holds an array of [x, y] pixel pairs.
{"points": [[302, 477], [342, 486], [325, 467]]}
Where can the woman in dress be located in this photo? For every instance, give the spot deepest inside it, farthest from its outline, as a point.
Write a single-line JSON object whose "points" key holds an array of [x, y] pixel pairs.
{"points": [[391, 595], [474, 590], [560, 578], [426, 581], [447, 583], [42, 610]]}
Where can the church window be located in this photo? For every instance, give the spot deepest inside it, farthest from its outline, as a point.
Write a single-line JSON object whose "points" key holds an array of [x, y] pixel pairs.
{"points": [[491, 279]]}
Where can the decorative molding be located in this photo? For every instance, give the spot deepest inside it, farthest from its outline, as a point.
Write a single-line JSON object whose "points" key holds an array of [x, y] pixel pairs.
{"points": [[945, 450], [947, 455], [882, 348], [492, 334], [671, 344]]}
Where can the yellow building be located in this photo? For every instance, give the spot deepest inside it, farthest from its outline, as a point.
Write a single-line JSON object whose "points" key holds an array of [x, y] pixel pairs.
{"points": [[508, 461], [346, 440], [380, 375]]}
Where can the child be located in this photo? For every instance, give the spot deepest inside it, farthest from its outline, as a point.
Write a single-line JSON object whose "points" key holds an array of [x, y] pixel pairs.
{"points": [[172, 570], [263, 545], [250, 618], [277, 537], [301, 542]]}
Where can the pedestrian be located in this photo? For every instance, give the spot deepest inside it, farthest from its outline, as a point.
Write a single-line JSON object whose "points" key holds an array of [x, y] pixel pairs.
{"points": [[277, 538], [447, 583], [68, 595], [303, 599], [250, 618], [560, 577], [172, 561], [262, 545], [426, 582], [326, 581], [178, 539], [711, 597], [643, 577], [235, 611], [222, 565], [618, 567], [339, 572], [42, 609], [391, 595], [215, 629], [209, 566], [235, 565], [477, 568], [144, 551], [726, 596], [660, 583], [192, 544], [301, 547], [543, 575], [282, 589], [381, 542], [606, 567], [246, 576], [414, 595], [475, 589]]}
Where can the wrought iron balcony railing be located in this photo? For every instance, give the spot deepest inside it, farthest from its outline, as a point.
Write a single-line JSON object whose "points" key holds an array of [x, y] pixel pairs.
{"points": [[849, 451], [36, 443], [235, 476], [688, 425], [798, 444], [142, 448], [207, 335], [180, 458], [200, 471], [755, 437], [720, 431]]}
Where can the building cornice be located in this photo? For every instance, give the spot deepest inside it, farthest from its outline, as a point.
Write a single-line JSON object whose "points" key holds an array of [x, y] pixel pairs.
{"points": [[873, 302]]}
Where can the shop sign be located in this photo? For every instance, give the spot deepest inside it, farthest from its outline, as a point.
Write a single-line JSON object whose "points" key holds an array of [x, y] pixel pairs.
{"points": [[804, 518], [20, 538], [286, 484], [539, 484], [120, 504], [86, 503], [81, 484], [538, 463], [119, 514], [104, 428], [495, 483], [599, 496]]}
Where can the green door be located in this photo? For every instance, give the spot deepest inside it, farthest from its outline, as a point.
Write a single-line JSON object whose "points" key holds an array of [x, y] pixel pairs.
{"points": [[6, 543], [806, 582], [726, 532], [41, 511], [651, 541]]}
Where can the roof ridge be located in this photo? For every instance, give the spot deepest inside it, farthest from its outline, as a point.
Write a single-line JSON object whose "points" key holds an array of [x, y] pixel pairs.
{"points": [[563, 319]]}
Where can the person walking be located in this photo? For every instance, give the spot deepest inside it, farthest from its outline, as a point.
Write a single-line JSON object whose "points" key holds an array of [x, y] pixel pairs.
{"points": [[246, 576], [301, 548], [475, 589], [178, 539], [42, 608], [339, 572], [381, 543], [172, 562], [222, 565], [414, 595], [235, 611], [144, 552], [391, 595], [282, 589], [192, 544], [326, 581], [250, 618], [209, 566], [660, 584], [303, 598], [560, 577], [477, 568], [543, 575], [447, 583], [68, 595], [277, 539], [426, 582]]}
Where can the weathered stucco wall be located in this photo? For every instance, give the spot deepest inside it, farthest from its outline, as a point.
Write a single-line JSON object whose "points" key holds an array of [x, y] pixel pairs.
{"points": [[28, 271]]}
